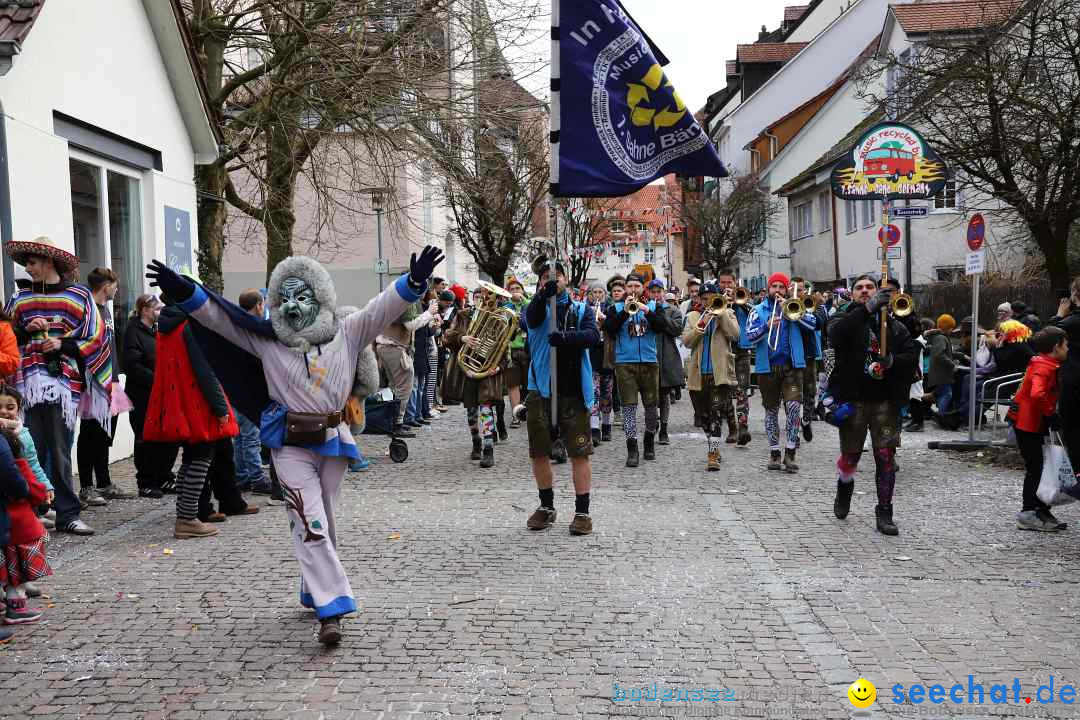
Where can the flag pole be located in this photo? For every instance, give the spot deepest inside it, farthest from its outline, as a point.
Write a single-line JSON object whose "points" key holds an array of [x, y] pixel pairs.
{"points": [[555, 120]]}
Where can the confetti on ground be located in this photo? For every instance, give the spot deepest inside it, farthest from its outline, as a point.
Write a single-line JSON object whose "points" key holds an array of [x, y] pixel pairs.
{"points": [[394, 536], [903, 558], [167, 551]]}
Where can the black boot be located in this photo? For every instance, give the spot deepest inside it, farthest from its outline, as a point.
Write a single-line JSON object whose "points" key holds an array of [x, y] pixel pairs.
{"points": [[663, 439], [744, 435], [632, 459], [807, 431], [650, 446], [596, 437], [842, 504], [488, 460], [475, 448], [885, 524], [500, 426], [605, 433]]}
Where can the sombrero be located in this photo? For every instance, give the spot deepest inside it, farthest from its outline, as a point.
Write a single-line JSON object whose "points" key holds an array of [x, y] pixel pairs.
{"points": [[18, 250]]}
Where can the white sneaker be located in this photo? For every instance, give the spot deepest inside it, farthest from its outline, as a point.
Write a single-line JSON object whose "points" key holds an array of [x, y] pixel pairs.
{"points": [[77, 527]]}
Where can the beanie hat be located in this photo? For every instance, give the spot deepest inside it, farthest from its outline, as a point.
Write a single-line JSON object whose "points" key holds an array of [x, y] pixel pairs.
{"points": [[635, 277], [945, 323], [1005, 306], [596, 285], [779, 277], [459, 291], [446, 296]]}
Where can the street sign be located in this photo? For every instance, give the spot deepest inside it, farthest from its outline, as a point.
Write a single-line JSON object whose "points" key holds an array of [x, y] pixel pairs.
{"points": [[910, 212], [382, 267], [895, 253], [975, 262], [889, 234], [976, 233]]}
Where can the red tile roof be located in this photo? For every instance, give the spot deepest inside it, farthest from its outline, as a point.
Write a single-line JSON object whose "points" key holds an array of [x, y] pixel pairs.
{"points": [[503, 94], [769, 52], [16, 19], [794, 12], [953, 16], [731, 67]]}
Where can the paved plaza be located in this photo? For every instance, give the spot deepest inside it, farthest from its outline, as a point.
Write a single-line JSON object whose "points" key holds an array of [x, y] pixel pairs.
{"points": [[739, 584]]}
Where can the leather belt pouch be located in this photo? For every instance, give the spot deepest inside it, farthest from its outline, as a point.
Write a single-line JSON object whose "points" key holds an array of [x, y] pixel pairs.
{"points": [[309, 428]]}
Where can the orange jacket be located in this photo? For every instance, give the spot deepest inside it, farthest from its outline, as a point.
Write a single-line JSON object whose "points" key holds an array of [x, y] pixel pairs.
{"points": [[1037, 397], [9, 351]]}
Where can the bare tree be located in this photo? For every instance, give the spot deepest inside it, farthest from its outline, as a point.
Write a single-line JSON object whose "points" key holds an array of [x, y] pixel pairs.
{"points": [[1000, 100], [581, 227], [495, 168], [729, 222], [324, 92]]}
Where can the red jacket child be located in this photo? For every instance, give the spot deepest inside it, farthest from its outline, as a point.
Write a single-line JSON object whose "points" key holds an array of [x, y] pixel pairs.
{"points": [[26, 529], [1036, 400]]}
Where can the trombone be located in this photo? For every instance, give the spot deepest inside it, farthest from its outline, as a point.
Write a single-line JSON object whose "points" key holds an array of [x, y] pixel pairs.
{"points": [[808, 301], [792, 310]]}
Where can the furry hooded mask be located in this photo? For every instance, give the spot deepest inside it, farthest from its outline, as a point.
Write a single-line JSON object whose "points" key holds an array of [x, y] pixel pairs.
{"points": [[366, 381], [302, 303]]}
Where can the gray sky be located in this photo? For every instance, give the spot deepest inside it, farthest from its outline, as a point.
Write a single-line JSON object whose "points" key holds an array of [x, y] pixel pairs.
{"points": [[698, 36]]}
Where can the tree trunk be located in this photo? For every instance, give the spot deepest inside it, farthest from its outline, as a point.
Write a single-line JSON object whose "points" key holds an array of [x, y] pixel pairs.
{"points": [[280, 188], [1055, 254], [211, 180], [495, 267]]}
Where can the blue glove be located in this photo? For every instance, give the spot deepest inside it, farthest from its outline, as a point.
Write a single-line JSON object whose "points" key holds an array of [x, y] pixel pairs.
{"points": [[557, 339], [421, 268], [171, 283]]}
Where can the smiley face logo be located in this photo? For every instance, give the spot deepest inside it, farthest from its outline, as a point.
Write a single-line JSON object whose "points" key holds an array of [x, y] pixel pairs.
{"points": [[862, 693]]}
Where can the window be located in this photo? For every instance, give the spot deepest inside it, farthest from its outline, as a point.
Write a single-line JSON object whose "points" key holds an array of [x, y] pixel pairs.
{"points": [[803, 221], [624, 256], [867, 213], [824, 212], [642, 227], [946, 199], [618, 226], [950, 274], [650, 254], [106, 210], [851, 210]]}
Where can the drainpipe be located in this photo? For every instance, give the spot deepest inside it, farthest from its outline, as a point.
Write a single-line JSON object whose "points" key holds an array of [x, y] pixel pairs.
{"points": [[5, 207], [835, 237]]}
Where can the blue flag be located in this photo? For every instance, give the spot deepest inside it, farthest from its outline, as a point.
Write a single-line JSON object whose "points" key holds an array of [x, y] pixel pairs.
{"points": [[619, 124]]}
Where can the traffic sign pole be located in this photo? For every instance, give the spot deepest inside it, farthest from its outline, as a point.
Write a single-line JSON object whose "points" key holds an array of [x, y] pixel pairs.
{"points": [[972, 399]]}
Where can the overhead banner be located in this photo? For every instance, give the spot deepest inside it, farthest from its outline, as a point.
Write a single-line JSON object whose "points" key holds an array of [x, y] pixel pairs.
{"points": [[618, 123], [890, 162]]}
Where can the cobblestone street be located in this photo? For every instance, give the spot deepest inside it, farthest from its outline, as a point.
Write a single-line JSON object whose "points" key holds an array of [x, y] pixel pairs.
{"points": [[738, 580]]}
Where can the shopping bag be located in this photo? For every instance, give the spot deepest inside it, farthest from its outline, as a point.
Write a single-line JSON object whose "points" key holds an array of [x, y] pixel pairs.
{"points": [[1058, 485], [119, 402]]}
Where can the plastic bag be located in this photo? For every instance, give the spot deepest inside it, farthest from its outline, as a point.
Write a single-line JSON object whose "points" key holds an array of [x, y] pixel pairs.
{"points": [[119, 402], [1058, 485]]}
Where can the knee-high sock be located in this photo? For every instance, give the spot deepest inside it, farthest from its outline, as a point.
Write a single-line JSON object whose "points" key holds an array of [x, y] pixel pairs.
{"points": [[846, 465], [189, 485], [885, 474], [713, 429], [651, 419], [772, 427], [486, 423], [629, 421], [594, 411], [794, 423], [665, 406]]}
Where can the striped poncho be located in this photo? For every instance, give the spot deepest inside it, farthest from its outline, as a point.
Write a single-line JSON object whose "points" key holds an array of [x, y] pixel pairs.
{"points": [[74, 319]]}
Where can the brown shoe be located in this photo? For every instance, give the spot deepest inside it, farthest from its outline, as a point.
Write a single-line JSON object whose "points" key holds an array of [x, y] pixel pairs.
{"points": [[581, 524], [714, 461], [216, 517], [774, 460], [249, 510], [187, 529], [789, 462], [330, 633], [542, 519]]}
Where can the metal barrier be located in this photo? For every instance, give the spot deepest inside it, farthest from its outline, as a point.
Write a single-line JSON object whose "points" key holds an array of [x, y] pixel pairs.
{"points": [[1004, 381]]}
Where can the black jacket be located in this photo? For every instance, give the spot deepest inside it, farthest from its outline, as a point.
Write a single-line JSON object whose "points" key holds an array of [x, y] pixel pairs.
{"points": [[667, 352], [12, 487], [850, 340], [171, 318], [140, 357]]}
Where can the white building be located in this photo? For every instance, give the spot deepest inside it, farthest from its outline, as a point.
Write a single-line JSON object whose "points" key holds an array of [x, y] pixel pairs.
{"points": [[99, 137]]}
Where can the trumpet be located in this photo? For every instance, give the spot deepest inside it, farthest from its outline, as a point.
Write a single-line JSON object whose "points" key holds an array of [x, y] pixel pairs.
{"points": [[902, 305], [742, 296], [632, 305], [717, 305]]}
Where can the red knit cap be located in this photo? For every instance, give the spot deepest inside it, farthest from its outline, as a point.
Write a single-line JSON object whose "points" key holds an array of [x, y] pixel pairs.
{"points": [[459, 291], [779, 277]]}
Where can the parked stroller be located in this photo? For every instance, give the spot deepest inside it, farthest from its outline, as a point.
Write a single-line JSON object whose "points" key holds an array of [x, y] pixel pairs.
{"points": [[380, 416]]}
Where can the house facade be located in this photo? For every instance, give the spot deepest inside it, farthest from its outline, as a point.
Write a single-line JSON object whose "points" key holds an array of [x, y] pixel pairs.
{"points": [[98, 141]]}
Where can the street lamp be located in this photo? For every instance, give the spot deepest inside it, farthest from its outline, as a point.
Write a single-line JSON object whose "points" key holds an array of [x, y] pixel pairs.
{"points": [[382, 267]]}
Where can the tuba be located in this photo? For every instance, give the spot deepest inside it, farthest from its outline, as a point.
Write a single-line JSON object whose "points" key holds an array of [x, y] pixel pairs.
{"points": [[493, 326]]}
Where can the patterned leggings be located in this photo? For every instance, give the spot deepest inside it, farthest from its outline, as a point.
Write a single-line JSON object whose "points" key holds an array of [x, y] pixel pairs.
{"points": [[720, 407], [629, 420], [189, 482], [482, 422], [794, 425], [884, 471], [603, 386]]}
